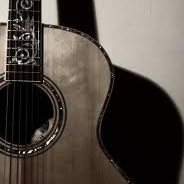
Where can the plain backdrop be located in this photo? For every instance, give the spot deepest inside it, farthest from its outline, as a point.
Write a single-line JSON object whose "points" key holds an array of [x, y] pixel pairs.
{"points": [[144, 36]]}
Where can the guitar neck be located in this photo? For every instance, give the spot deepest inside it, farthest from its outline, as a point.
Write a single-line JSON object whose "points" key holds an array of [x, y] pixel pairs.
{"points": [[24, 43]]}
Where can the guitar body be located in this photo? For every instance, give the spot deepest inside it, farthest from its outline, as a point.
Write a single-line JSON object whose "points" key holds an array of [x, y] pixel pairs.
{"points": [[80, 73]]}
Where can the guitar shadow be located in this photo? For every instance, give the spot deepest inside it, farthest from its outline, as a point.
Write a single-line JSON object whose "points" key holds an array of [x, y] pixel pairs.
{"points": [[141, 129]]}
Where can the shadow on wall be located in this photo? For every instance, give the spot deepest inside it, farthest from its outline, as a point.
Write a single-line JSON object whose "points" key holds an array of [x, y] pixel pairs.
{"points": [[142, 129]]}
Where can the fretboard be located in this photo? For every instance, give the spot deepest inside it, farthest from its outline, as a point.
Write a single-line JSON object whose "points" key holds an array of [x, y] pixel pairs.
{"points": [[24, 41]]}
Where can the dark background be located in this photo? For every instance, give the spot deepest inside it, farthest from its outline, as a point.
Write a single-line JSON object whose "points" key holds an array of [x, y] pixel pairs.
{"points": [[142, 129]]}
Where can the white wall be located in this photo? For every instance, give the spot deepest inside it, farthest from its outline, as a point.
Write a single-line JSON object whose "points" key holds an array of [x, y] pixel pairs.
{"points": [[145, 36]]}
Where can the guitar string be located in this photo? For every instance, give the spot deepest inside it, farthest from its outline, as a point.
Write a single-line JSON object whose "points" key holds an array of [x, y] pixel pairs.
{"points": [[7, 101], [40, 37], [37, 154], [19, 122], [39, 55], [10, 166], [39, 21], [25, 138], [26, 103], [26, 161], [7, 106], [20, 115], [33, 33], [12, 131], [16, 46], [20, 119], [13, 113]]}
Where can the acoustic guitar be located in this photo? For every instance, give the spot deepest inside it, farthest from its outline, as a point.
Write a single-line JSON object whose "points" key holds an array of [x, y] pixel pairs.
{"points": [[55, 84], [140, 117]]}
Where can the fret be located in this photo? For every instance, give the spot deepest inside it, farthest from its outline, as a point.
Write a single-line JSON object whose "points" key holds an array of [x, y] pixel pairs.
{"points": [[15, 67], [11, 41], [20, 80], [26, 10], [11, 61], [22, 72], [23, 77], [11, 30], [21, 37], [15, 57], [12, 15], [12, 52], [14, 11], [13, 26], [22, 68], [24, 21], [15, 48]]}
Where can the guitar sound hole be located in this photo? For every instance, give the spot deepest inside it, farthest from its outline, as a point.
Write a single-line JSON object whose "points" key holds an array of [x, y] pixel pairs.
{"points": [[25, 111]]}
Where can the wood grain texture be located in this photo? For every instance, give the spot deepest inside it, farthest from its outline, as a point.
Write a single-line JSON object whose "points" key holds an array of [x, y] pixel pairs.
{"points": [[81, 72]]}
